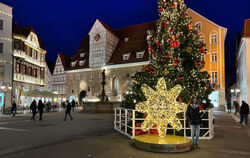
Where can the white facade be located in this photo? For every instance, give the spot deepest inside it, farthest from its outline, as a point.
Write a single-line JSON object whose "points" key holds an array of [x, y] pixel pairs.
{"points": [[102, 45], [59, 77], [243, 71], [5, 54]]}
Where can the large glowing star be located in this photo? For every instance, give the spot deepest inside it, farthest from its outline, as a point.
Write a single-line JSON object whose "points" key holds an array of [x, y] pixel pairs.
{"points": [[161, 107]]}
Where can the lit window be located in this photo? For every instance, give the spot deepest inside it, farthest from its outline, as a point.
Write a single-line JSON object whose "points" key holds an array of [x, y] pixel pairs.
{"points": [[125, 56], [91, 76], [214, 77], [213, 39], [139, 55], [198, 26], [214, 57]]}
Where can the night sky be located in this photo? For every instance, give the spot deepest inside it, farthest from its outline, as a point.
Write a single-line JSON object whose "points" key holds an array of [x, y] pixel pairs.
{"points": [[63, 23]]}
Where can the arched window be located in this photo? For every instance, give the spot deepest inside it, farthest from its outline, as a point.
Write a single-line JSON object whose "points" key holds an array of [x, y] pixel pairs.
{"points": [[198, 25], [115, 85]]}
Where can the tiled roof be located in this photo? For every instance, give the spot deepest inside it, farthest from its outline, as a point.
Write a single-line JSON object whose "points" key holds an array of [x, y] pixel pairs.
{"points": [[83, 48], [136, 35], [246, 32], [25, 31], [65, 59], [137, 42]]}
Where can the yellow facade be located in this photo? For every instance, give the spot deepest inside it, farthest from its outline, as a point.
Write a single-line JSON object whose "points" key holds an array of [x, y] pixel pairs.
{"points": [[214, 38]]}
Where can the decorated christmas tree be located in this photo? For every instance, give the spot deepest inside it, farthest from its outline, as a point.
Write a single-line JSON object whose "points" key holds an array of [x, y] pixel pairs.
{"points": [[175, 54]]}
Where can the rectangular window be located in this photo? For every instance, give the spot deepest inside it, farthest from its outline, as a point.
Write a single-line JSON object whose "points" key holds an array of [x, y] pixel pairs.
{"points": [[214, 57], [92, 76], [1, 48], [17, 44], [213, 39], [42, 73], [202, 39], [214, 77], [1, 72], [42, 57], [70, 77], [125, 56], [198, 26], [1, 24], [139, 55]]}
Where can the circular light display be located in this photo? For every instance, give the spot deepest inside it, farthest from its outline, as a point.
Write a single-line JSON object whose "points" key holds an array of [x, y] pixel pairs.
{"points": [[97, 37]]}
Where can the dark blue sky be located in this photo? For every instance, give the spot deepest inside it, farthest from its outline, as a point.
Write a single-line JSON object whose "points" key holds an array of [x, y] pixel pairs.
{"points": [[63, 23]]}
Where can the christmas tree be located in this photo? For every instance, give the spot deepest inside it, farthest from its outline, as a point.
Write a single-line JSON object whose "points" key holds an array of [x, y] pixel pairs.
{"points": [[175, 54]]}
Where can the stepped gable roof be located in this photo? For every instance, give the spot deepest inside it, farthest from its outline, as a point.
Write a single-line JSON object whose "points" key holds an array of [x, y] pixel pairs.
{"points": [[83, 48], [246, 32], [65, 59], [50, 65], [137, 42], [25, 31]]}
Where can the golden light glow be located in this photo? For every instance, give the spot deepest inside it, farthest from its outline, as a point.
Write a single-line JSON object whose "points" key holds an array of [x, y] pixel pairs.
{"points": [[161, 107]]}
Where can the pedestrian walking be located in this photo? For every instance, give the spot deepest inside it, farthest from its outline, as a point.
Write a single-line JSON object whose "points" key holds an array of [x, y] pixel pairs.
{"points": [[33, 108], [194, 120], [237, 107], [229, 107], [73, 104], [40, 109], [68, 110], [244, 111], [13, 109]]}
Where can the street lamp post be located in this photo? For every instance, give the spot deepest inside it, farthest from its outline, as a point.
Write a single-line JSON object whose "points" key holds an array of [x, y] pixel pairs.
{"points": [[5, 87]]}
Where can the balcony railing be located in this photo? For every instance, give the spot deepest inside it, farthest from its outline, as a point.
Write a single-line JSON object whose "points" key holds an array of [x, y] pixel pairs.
{"points": [[28, 79], [23, 55]]}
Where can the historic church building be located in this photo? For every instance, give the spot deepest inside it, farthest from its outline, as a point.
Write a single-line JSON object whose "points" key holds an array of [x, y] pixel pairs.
{"points": [[122, 52]]}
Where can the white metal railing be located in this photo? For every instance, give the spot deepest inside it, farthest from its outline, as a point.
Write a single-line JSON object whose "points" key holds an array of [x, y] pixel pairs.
{"points": [[125, 122]]}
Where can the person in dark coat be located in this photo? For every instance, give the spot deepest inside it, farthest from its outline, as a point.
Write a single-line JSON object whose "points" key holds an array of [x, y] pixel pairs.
{"points": [[244, 111], [194, 120], [13, 109], [229, 106], [73, 104], [68, 110], [40, 109], [33, 108]]}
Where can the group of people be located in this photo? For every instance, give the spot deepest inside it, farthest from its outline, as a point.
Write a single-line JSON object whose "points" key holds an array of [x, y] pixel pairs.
{"points": [[40, 107], [236, 106]]}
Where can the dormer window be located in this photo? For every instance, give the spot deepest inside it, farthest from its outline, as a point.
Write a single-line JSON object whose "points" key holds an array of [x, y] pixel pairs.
{"points": [[82, 55], [125, 56], [81, 63], [198, 26], [73, 64], [126, 39], [139, 55]]}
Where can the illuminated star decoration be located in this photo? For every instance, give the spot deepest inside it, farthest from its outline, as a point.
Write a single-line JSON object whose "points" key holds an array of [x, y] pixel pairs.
{"points": [[161, 107]]}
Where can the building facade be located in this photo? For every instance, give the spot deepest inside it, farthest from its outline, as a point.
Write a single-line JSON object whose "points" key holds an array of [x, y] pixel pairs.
{"points": [[59, 76], [29, 63], [243, 64], [213, 36], [5, 56], [122, 52]]}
